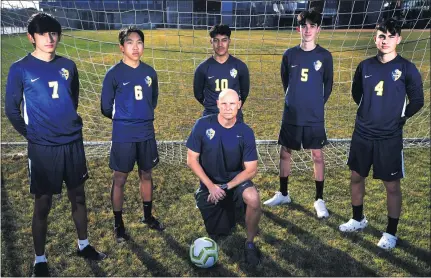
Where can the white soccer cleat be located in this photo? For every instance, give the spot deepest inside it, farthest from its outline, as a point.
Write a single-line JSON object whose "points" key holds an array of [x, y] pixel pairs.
{"points": [[353, 225], [278, 199], [320, 208], [387, 241]]}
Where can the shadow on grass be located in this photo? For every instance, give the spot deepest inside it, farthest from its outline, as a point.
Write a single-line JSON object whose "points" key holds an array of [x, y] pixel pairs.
{"points": [[183, 253], [96, 269], [319, 259], [153, 266], [10, 259]]}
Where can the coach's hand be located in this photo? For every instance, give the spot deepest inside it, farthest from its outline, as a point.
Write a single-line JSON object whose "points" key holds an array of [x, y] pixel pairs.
{"points": [[216, 194]]}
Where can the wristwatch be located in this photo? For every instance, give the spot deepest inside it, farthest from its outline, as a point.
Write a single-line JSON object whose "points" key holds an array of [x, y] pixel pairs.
{"points": [[223, 186]]}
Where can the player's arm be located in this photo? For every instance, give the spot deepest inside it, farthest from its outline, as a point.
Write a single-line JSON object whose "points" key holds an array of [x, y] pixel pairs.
{"points": [[199, 84], [194, 165], [244, 83], [357, 88], [328, 77], [155, 95], [415, 92], [284, 70], [13, 99], [108, 95], [75, 87]]}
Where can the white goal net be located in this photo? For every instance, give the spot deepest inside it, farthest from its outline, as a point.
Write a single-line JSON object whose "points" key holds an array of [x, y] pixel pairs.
{"points": [[177, 40]]}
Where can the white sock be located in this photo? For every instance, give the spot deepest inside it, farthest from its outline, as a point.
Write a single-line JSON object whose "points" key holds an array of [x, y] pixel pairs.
{"points": [[40, 259], [82, 243]]}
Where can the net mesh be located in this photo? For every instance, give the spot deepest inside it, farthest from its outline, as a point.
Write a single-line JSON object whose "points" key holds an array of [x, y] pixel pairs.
{"points": [[176, 41]]}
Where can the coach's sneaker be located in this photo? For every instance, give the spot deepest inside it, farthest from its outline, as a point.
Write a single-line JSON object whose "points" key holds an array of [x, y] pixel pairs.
{"points": [[252, 254], [153, 223], [320, 208], [120, 234], [352, 225], [90, 253], [40, 270], [387, 241], [278, 199]]}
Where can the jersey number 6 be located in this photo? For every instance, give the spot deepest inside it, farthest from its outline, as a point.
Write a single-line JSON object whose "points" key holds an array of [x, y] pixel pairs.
{"points": [[138, 92]]}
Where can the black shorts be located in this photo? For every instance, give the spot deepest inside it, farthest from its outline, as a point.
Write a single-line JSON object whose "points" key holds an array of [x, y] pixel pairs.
{"points": [[124, 155], [221, 218], [49, 166], [309, 137], [386, 156]]}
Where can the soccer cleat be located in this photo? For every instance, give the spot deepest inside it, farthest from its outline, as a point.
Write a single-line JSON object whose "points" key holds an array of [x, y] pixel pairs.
{"points": [[321, 210], [90, 253], [352, 225], [278, 199], [120, 234], [40, 270], [387, 241], [252, 254], [153, 223]]}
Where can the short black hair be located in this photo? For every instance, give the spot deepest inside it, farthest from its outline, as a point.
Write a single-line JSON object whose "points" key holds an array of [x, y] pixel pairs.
{"points": [[127, 31], [220, 29], [389, 25], [313, 15], [41, 22]]}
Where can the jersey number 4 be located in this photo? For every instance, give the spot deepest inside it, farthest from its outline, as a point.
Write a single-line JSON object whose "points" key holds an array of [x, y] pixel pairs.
{"points": [[379, 88], [221, 85]]}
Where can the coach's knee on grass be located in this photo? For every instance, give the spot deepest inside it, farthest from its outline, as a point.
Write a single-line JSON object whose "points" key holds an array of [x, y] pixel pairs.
{"points": [[251, 198]]}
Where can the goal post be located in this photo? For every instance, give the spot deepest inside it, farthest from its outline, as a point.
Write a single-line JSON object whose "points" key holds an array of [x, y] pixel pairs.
{"points": [[177, 41]]}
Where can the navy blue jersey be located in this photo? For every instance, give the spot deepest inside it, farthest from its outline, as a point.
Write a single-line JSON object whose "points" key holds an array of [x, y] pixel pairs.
{"points": [[307, 78], [222, 150], [129, 97], [380, 90], [211, 78], [47, 93]]}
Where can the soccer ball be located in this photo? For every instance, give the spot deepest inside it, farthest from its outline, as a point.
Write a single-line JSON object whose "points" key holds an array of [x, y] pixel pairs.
{"points": [[204, 252]]}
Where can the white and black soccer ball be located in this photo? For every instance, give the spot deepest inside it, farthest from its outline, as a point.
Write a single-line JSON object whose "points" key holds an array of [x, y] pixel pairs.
{"points": [[204, 252]]}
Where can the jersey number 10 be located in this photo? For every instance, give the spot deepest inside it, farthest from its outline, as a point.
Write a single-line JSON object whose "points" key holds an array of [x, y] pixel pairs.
{"points": [[221, 85]]}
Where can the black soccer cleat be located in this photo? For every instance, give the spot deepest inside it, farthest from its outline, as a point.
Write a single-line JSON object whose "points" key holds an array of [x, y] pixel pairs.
{"points": [[40, 270], [120, 234], [153, 223], [90, 253], [252, 254]]}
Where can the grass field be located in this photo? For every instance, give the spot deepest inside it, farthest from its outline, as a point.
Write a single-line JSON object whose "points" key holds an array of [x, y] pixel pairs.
{"points": [[292, 240]]}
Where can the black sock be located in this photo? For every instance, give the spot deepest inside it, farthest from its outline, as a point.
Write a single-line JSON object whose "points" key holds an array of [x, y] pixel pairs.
{"points": [[147, 209], [283, 185], [319, 190], [118, 216], [358, 212], [392, 226]]}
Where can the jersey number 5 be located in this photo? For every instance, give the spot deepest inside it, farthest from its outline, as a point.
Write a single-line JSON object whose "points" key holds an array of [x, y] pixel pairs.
{"points": [[138, 92], [304, 75], [54, 85], [379, 88], [223, 84]]}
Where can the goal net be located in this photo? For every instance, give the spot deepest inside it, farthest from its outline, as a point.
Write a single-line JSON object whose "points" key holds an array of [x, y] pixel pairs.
{"points": [[177, 40]]}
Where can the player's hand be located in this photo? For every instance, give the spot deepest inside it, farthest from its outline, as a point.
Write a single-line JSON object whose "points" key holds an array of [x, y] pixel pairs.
{"points": [[216, 194]]}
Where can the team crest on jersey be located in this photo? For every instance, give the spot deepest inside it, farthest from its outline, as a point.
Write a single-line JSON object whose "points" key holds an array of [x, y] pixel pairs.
{"points": [[64, 73], [396, 74], [210, 133], [233, 72], [317, 65], [148, 81]]}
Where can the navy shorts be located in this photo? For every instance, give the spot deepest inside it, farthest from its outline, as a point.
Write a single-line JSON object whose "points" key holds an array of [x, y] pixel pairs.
{"points": [[221, 218], [49, 166], [309, 137], [385, 155], [124, 155]]}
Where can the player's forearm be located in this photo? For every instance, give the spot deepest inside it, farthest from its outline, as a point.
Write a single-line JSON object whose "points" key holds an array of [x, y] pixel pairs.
{"points": [[107, 111], [413, 107], [199, 172], [243, 176], [14, 116]]}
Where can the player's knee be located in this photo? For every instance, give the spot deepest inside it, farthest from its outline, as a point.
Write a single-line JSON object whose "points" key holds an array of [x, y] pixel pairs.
{"points": [[42, 206], [356, 178], [284, 154], [317, 156], [393, 188], [251, 198], [77, 196], [145, 175], [119, 179]]}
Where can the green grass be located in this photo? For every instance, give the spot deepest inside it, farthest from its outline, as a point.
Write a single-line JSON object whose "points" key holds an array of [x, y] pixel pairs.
{"points": [[292, 240]]}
